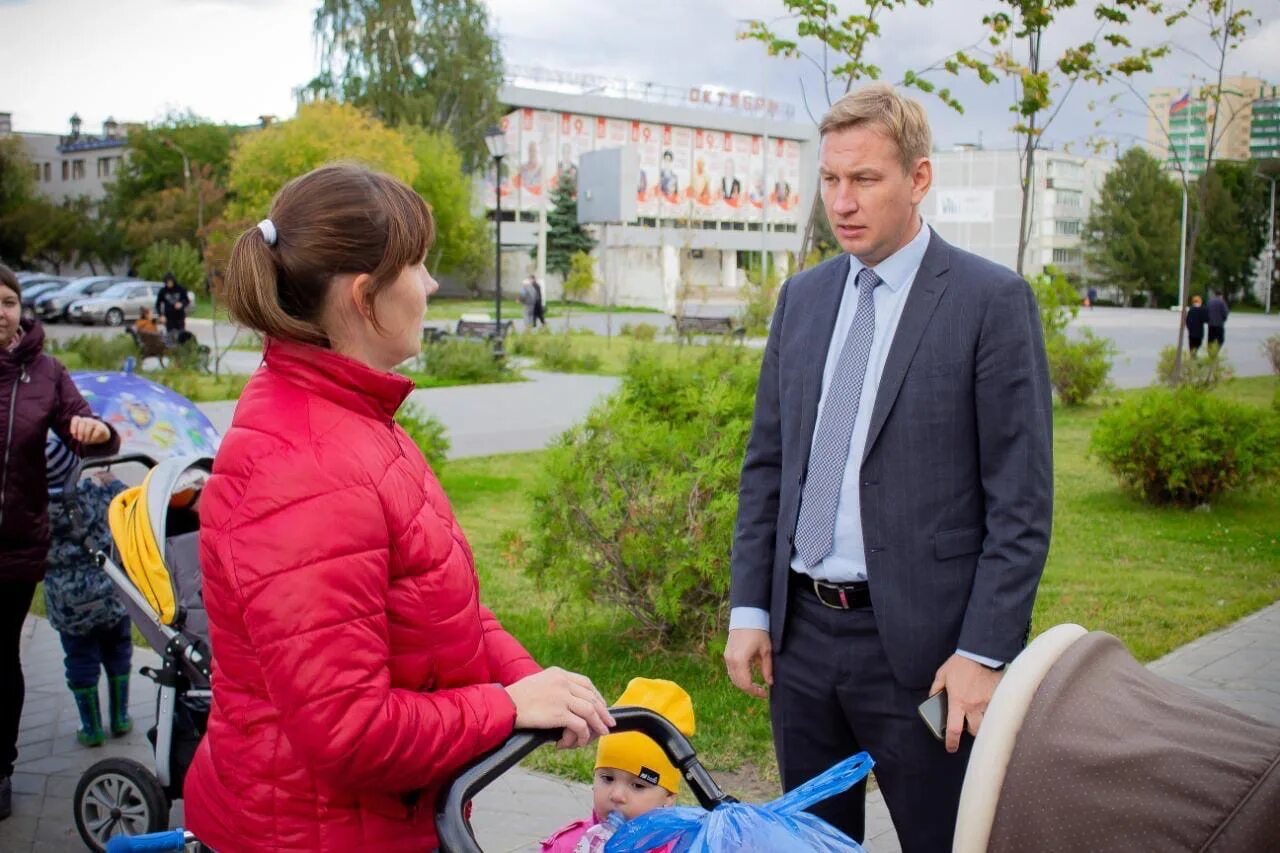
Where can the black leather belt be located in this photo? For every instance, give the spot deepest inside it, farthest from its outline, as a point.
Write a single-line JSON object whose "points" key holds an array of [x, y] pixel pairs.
{"points": [[838, 596]]}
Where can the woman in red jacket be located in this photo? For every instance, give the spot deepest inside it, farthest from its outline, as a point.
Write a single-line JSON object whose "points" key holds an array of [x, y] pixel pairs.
{"points": [[354, 668], [36, 395]]}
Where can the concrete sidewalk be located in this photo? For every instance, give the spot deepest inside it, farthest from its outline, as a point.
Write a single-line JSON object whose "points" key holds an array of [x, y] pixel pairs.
{"points": [[1239, 666]]}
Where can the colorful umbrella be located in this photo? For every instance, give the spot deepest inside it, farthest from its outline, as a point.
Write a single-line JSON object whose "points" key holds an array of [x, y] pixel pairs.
{"points": [[151, 418]]}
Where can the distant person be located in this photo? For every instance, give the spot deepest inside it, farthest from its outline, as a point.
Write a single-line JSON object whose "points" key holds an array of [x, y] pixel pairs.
{"points": [[1197, 319], [540, 307], [528, 299], [1091, 298], [1218, 312], [146, 323], [171, 303]]}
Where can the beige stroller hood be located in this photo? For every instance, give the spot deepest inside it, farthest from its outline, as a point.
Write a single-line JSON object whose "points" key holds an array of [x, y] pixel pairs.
{"points": [[1083, 748]]}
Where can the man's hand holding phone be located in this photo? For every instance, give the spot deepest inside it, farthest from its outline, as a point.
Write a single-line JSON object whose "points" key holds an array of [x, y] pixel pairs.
{"points": [[968, 687]]}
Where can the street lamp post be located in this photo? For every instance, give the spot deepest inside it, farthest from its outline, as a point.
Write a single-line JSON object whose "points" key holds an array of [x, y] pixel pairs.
{"points": [[495, 139]]}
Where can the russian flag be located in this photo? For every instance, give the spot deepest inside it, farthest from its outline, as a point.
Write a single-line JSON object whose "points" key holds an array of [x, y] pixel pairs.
{"points": [[1181, 103]]}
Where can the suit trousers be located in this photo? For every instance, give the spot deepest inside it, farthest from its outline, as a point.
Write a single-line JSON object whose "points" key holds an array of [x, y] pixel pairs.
{"points": [[835, 695]]}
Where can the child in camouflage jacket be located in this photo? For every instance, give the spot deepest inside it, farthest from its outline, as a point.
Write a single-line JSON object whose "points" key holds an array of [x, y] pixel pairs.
{"points": [[81, 600]]}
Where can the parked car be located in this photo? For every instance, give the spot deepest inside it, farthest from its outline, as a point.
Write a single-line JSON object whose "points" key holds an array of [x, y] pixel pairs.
{"points": [[119, 302], [52, 307], [38, 285]]}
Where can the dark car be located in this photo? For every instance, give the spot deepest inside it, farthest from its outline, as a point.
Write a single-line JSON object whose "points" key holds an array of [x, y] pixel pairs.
{"points": [[38, 285], [52, 307]]}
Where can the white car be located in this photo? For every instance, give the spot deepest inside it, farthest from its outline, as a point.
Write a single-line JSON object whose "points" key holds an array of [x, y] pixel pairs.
{"points": [[117, 304]]}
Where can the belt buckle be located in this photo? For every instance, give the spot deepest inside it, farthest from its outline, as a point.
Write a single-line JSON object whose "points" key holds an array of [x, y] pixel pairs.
{"points": [[844, 600]]}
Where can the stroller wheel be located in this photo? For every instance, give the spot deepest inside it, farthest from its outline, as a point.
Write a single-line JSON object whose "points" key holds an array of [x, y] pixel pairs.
{"points": [[118, 796]]}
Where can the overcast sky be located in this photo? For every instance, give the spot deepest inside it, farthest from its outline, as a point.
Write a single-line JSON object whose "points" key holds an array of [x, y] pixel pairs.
{"points": [[234, 60]]}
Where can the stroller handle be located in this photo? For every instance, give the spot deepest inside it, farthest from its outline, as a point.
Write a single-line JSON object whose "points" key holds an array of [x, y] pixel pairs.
{"points": [[155, 842], [454, 830], [119, 459]]}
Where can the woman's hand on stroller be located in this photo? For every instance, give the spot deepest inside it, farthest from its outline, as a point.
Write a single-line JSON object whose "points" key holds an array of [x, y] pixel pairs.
{"points": [[89, 431], [554, 699]]}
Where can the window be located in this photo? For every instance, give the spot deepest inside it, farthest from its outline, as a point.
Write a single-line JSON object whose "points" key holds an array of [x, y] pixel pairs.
{"points": [[37, 168], [66, 170], [1067, 226], [1066, 256], [48, 172], [1069, 198], [104, 167], [77, 170]]}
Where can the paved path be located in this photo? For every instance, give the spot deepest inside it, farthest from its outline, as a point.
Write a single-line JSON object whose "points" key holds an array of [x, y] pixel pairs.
{"points": [[1239, 665]]}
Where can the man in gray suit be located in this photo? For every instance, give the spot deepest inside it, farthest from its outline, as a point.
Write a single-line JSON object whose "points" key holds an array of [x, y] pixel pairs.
{"points": [[897, 489]]}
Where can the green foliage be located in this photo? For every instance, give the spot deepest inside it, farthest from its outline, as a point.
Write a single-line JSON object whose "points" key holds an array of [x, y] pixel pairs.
{"points": [[462, 246], [1205, 371], [1271, 349], [178, 258], [761, 299], [197, 386], [1078, 369], [1058, 301], [646, 332], [1235, 226], [565, 237], [636, 506], [321, 133], [1186, 447], [555, 352], [92, 352], [17, 187], [461, 361], [427, 432], [1131, 236], [419, 63]]}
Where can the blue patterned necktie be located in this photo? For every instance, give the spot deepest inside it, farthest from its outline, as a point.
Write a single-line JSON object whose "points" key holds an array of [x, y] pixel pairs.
{"points": [[816, 526]]}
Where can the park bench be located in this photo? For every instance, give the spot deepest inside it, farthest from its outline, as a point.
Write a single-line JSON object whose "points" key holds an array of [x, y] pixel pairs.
{"points": [[468, 327], [158, 346], [690, 325]]}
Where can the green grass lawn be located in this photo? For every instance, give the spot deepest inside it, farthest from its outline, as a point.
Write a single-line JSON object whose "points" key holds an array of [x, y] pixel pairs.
{"points": [[449, 308], [1156, 578], [613, 354]]}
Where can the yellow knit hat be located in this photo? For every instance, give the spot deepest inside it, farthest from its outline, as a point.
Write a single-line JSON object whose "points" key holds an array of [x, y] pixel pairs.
{"points": [[636, 753]]}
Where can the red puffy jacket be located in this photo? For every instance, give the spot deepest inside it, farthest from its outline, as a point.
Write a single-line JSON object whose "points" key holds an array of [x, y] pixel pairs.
{"points": [[354, 669]]}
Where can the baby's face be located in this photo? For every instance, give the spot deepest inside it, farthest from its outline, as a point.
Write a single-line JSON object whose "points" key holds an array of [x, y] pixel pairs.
{"points": [[616, 790]]}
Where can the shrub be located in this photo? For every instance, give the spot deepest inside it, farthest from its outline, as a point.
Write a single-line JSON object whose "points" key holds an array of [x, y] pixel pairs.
{"points": [[427, 432], [640, 331], [199, 387], [461, 361], [1271, 349], [636, 506], [91, 352], [178, 258], [1078, 369], [1207, 370], [1186, 447], [554, 352], [1058, 301]]}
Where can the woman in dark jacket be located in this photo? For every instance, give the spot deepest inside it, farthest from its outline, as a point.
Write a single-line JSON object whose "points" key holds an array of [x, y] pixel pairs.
{"points": [[36, 395], [1197, 317]]}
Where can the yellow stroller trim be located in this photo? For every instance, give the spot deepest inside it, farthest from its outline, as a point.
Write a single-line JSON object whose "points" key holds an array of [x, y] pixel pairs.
{"points": [[140, 553]]}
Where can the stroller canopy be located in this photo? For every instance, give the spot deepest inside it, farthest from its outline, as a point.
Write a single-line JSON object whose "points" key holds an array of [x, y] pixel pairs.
{"points": [[140, 519], [1083, 748]]}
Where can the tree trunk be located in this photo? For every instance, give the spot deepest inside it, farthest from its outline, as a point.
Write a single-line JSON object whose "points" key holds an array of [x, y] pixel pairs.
{"points": [[1029, 157], [806, 245]]}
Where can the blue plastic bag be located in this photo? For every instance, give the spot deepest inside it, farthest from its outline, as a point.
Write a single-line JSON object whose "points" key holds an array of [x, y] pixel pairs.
{"points": [[778, 825]]}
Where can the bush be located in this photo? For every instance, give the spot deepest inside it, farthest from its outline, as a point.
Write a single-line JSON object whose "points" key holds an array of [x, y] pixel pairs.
{"points": [[1205, 371], [178, 258], [91, 352], [637, 504], [1078, 369], [427, 432], [1058, 301], [199, 387], [1186, 447], [554, 352], [1271, 349], [640, 331], [461, 361]]}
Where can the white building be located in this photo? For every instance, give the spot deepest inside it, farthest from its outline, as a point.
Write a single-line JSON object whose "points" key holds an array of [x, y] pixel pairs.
{"points": [[724, 177], [976, 203]]}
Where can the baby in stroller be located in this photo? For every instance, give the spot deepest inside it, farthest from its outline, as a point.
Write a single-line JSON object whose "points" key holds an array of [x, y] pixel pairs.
{"points": [[80, 599], [633, 775]]}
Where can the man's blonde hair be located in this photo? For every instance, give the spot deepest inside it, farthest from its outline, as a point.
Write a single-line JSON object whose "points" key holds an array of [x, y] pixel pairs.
{"points": [[902, 120]]}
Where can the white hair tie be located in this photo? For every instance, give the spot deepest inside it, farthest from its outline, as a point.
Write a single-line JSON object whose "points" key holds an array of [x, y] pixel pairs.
{"points": [[268, 229]]}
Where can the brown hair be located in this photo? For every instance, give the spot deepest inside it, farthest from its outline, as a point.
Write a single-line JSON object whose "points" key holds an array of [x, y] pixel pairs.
{"points": [[340, 218], [902, 120], [9, 280]]}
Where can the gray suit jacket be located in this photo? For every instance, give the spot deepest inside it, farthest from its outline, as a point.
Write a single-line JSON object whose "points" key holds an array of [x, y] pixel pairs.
{"points": [[957, 475]]}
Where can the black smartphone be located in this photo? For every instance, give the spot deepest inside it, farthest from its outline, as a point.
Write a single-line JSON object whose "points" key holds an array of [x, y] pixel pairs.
{"points": [[934, 713]]}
